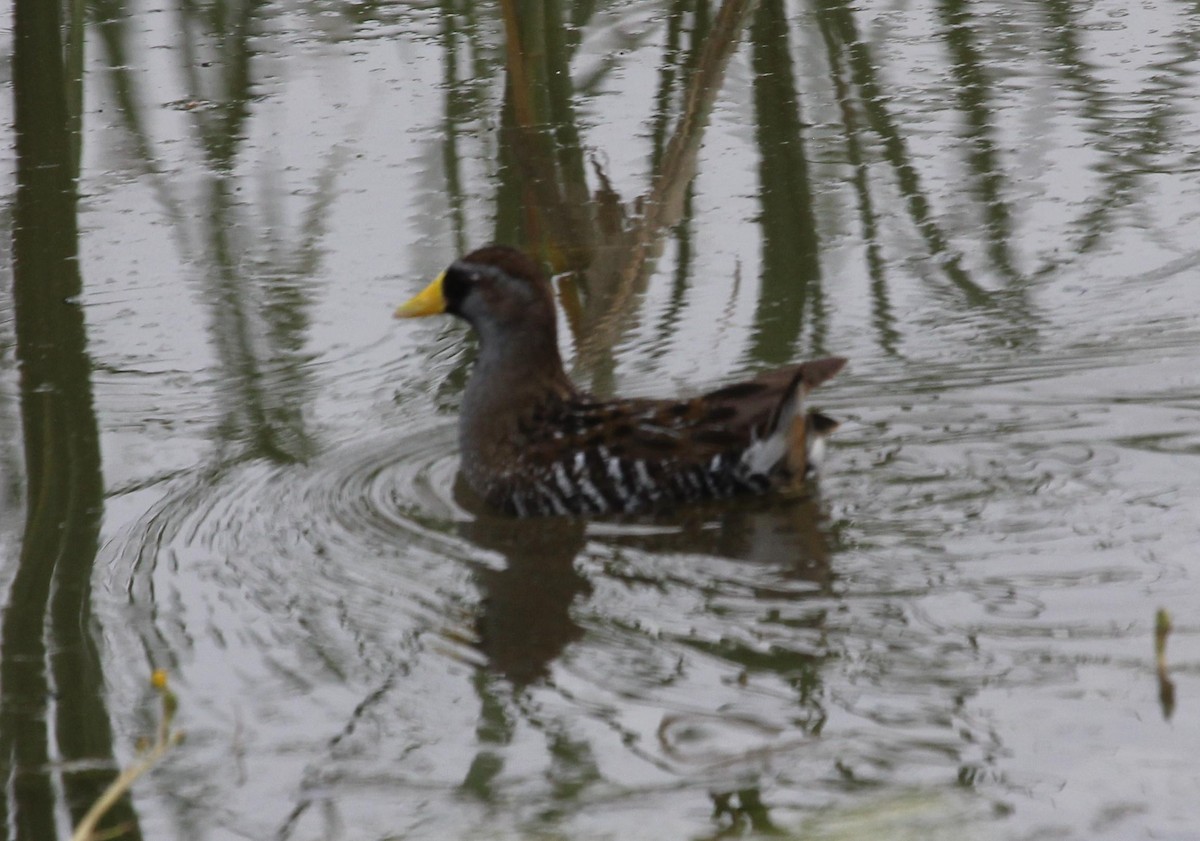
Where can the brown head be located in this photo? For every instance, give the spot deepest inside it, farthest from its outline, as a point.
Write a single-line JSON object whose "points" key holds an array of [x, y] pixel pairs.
{"points": [[502, 292]]}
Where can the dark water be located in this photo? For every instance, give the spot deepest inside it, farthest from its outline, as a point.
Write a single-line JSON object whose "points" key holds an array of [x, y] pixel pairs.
{"points": [[220, 456]]}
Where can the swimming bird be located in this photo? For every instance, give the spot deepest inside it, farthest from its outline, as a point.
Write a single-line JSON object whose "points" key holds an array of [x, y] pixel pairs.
{"points": [[532, 443]]}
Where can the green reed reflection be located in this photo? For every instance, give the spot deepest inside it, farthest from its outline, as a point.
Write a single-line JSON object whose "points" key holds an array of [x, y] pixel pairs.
{"points": [[791, 271], [50, 665], [544, 205], [983, 160], [255, 272]]}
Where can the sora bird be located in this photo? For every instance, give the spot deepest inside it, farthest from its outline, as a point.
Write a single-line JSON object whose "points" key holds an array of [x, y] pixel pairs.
{"points": [[533, 444]]}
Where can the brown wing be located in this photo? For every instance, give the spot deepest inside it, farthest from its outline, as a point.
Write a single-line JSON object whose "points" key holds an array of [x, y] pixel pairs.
{"points": [[695, 429], [585, 456], [756, 404], [591, 456]]}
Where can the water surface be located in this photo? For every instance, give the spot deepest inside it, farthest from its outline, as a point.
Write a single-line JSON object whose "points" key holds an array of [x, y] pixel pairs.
{"points": [[992, 209]]}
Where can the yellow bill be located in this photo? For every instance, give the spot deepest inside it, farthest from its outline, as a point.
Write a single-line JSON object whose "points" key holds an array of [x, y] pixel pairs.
{"points": [[429, 301]]}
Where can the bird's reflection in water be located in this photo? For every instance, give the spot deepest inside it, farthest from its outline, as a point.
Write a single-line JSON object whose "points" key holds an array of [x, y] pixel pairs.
{"points": [[525, 612], [524, 619], [525, 615], [783, 532]]}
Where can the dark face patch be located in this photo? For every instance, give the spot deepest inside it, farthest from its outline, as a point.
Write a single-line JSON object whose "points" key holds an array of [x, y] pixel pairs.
{"points": [[496, 284], [456, 286]]}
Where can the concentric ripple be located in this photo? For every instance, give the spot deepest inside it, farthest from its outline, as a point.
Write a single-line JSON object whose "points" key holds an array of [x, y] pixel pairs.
{"points": [[363, 612], [355, 512]]}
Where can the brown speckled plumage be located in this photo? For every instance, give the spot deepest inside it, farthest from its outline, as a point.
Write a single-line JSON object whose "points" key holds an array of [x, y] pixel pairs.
{"points": [[534, 444]]}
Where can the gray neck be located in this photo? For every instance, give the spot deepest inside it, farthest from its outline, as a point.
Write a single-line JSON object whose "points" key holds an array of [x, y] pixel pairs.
{"points": [[511, 373]]}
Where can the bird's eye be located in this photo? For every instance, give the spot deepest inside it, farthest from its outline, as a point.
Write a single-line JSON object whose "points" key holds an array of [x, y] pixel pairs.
{"points": [[476, 277]]}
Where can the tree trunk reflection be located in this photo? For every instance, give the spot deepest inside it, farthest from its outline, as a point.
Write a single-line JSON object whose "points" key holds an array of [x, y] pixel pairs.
{"points": [[49, 662]]}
